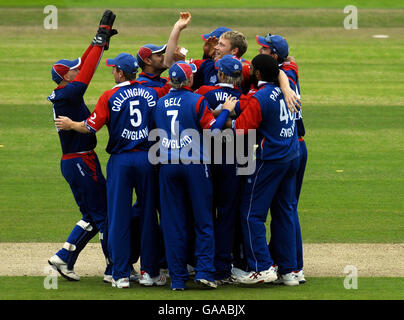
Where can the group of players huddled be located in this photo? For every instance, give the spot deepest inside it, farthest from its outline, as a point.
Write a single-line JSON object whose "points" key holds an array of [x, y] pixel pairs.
{"points": [[193, 216]]}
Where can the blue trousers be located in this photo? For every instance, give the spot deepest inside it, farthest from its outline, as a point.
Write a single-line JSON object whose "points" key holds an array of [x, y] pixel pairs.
{"points": [[186, 198], [88, 185], [271, 182], [125, 172], [226, 201], [275, 208], [146, 226]]}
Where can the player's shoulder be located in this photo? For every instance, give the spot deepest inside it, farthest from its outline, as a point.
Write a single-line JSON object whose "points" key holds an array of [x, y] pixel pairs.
{"points": [[290, 66], [206, 89]]}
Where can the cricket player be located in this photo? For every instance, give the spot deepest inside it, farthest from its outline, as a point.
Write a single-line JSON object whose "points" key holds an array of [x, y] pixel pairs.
{"points": [[278, 47], [226, 182], [126, 110], [151, 60], [274, 180], [185, 183], [80, 165]]}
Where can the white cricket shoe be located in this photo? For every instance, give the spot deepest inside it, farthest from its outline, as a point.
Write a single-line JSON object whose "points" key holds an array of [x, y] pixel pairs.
{"points": [[108, 278], [229, 280], [236, 272], [121, 283], [253, 277], [288, 279], [300, 276], [207, 283], [148, 281], [165, 272], [61, 267], [134, 276]]}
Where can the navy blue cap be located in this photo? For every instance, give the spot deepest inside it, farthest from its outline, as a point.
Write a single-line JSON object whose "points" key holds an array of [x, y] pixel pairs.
{"points": [[215, 33], [181, 71], [124, 61], [278, 44], [229, 65]]}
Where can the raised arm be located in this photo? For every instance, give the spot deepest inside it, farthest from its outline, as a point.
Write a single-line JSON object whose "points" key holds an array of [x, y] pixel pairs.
{"points": [[181, 24]]}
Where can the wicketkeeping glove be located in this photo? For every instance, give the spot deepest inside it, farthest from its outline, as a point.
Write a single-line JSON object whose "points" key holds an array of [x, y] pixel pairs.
{"points": [[103, 36], [107, 19], [105, 31]]}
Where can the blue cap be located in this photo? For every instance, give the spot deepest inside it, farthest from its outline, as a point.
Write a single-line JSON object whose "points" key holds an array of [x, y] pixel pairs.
{"points": [[229, 65], [215, 33], [60, 68], [278, 44], [181, 71], [124, 61]]}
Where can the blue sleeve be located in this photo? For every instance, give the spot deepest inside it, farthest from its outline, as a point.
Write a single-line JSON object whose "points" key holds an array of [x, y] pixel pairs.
{"points": [[220, 120]]}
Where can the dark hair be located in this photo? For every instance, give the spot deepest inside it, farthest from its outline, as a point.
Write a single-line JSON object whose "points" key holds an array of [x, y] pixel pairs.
{"points": [[267, 66], [140, 62], [128, 76]]}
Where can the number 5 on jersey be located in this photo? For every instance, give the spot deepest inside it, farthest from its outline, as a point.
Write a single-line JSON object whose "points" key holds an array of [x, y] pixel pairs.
{"points": [[135, 111]]}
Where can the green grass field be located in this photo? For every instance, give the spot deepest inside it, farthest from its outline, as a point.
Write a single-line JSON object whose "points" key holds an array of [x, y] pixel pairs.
{"points": [[353, 99], [324, 288]]}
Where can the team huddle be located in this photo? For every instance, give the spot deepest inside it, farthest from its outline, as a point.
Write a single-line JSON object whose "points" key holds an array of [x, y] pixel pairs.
{"points": [[198, 212]]}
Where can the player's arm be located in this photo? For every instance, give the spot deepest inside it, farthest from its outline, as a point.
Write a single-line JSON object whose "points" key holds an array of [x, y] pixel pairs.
{"points": [[65, 123], [250, 118], [208, 121], [292, 100], [181, 24], [93, 123]]}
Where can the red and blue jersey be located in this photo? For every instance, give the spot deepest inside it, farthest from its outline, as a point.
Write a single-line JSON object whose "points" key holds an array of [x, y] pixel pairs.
{"points": [[267, 112], [68, 101], [126, 109], [291, 71], [152, 80], [181, 115]]}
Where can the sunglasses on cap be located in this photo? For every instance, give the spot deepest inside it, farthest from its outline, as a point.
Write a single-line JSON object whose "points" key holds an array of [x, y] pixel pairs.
{"points": [[268, 40]]}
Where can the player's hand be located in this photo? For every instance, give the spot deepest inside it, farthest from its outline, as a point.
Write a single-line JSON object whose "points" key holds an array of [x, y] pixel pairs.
{"points": [[178, 55], [292, 100], [107, 20], [209, 47], [105, 31], [183, 21], [230, 103], [103, 37], [63, 123]]}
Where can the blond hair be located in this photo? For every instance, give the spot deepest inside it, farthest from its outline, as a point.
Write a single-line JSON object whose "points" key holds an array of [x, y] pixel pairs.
{"points": [[237, 40]]}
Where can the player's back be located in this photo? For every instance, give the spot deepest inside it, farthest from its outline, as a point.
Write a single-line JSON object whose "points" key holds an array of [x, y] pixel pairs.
{"points": [[127, 108], [217, 94], [178, 115], [68, 101], [277, 128]]}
